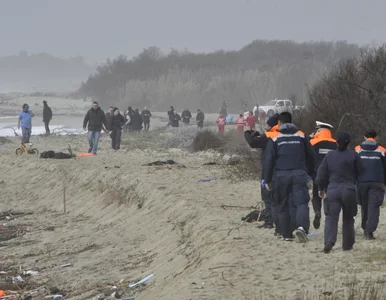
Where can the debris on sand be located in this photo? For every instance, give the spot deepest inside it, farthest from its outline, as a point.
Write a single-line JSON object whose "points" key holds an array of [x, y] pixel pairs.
{"points": [[141, 281], [160, 163], [254, 216], [212, 163]]}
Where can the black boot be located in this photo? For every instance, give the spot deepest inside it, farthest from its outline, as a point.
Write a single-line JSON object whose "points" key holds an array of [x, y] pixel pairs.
{"points": [[328, 247], [317, 218], [369, 236], [266, 225]]}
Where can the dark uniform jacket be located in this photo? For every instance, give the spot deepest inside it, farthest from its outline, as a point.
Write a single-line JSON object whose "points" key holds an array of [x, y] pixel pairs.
{"points": [[339, 167], [373, 158], [289, 150]]}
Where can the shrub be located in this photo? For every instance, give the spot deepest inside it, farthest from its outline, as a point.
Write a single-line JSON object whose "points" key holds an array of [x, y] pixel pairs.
{"points": [[353, 96], [207, 140]]}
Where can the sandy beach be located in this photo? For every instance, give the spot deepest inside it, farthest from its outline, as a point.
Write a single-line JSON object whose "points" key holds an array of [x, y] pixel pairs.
{"points": [[125, 221]]}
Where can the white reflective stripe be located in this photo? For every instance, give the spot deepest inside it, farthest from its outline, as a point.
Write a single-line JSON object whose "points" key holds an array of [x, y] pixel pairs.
{"points": [[370, 157], [324, 151], [288, 135], [376, 150], [288, 142]]}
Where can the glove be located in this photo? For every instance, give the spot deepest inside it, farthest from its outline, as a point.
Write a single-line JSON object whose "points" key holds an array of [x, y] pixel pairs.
{"points": [[309, 182], [263, 184], [18, 126]]}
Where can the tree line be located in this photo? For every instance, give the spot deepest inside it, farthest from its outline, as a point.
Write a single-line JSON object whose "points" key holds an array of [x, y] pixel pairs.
{"points": [[259, 72]]}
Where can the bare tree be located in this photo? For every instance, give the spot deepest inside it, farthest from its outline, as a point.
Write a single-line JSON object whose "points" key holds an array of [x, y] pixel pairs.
{"points": [[353, 95]]}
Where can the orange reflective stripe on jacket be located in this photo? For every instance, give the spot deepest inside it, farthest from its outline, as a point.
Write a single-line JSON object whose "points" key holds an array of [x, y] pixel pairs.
{"points": [[279, 134], [273, 132], [322, 136], [379, 148]]}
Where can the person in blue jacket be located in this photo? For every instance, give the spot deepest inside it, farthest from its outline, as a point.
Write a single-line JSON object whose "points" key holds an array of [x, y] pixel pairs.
{"points": [[338, 174], [371, 183], [289, 161], [25, 122]]}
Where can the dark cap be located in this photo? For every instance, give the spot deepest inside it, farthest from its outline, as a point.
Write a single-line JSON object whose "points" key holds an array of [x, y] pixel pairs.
{"points": [[343, 138], [44, 101], [272, 121]]}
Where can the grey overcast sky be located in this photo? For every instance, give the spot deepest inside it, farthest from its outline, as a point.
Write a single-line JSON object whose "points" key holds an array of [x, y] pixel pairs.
{"points": [[101, 29]]}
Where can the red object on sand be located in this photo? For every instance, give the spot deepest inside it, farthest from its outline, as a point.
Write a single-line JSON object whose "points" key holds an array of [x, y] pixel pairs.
{"points": [[84, 154]]}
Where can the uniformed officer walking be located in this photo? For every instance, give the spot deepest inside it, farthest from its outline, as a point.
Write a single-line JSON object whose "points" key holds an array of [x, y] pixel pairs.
{"points": [[288, 159], [259, 141], [339, 171], [371, 183], [322, 143]]}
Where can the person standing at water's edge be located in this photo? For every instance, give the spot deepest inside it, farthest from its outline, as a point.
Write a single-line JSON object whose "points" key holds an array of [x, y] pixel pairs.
{"points": [[25, 121], [338, 173], [47, 116], [94, 121], [371, 183]]}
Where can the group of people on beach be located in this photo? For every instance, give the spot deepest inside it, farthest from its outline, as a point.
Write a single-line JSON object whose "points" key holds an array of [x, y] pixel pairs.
{"points": [[131, 121], [341, 179], [247, 119], [113, 122], [186, 116]]}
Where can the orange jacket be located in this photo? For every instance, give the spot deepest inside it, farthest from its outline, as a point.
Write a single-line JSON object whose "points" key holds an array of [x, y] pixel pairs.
{"points": [[357, 148], [273, 132], [321, 136]]}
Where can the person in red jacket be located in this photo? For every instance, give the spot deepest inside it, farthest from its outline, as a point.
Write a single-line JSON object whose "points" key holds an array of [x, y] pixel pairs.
{"points": [[221, 121], [240, 123], [251, 121]]}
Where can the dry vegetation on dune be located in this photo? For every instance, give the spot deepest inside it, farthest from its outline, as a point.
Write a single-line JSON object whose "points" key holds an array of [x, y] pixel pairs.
{"points": [[125, 220]]}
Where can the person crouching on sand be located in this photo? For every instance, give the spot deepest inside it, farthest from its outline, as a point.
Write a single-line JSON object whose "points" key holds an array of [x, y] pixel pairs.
{"points": [[117, 122]]}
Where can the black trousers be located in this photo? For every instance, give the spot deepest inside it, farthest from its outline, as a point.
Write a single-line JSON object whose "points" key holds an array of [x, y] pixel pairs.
{"points": [[46, 125], [146, 124], [116, 139]]}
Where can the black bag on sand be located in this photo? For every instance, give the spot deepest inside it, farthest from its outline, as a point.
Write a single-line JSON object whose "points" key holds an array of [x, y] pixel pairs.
{"points": [[58, 155], [254, 216], [47, 154]]}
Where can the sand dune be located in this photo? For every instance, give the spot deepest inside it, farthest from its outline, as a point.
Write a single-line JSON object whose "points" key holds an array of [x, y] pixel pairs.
{"points": [[126, 221]]}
